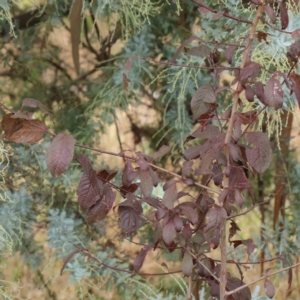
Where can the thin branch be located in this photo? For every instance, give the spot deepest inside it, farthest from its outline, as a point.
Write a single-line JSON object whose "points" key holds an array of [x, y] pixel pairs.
{"points": [[248, 210], [228, 137], [225, 14], [273, 27], [261, 278], [167, 63]]}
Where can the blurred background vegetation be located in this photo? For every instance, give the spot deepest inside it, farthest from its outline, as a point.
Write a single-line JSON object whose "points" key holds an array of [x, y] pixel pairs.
{"points": [[81, 83]]}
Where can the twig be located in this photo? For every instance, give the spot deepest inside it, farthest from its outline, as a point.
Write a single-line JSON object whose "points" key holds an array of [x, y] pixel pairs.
{"points": [[248, 210], [261, 278], [272, 26], [225, 14]]}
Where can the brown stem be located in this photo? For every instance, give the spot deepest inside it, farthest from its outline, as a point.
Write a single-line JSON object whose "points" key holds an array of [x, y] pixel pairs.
{"points": [[261, 278], [227, 141]]}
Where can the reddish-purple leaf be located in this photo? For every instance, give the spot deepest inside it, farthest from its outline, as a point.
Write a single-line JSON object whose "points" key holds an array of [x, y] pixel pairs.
{"points": [[200, 104], [89, 190], [238, 198], [234, 151], [237, 178], [181, 47], [129, 174], [215, 217], [163, 150], [130, 215], [223, 195], [187, 264], [139, 260], [98, 211], [208, 132], [169, 232], [170, 196], [202, 51], [259, 157], [160, 213], [249, 92], [269, 288], [250, 246], [294, 52], [107, 175], [250, 71], [30, 102], [234, 283], [146, 184], [187, 168], [296, 34], [124, 190], [192, 152], [233, 229], [190, 212], [259, 91], [270, 13], [284, 17], [142, 162], [273, 93], [237, 129], [217, 174], [60, 154], [85, 163], [178, 223], [229, 52]]}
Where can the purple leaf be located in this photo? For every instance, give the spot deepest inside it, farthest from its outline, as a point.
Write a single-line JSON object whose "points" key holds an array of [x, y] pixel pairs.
{"points": [[250, 246], [160, 213], [60, 154], [192, 152], [85, 163], [204, 96], [142, 162], [187, 264], [259, 157], [223, 195], [238, 198], [98, 211], [139, 260], [218, 174], [170, 196], [284, 17], [163, 150], [269, 288], [129, 174], [237, 178], [234, 151], [249, 92], [234, 283], [107, 175], [270, 13], [169, 232], [181, 47], [129, 213], [204, 11], [259, 91], [190, 212], [26, 115], [208, 132], [217, 16], [233, 229], [155, 179], [229, 52], [215, 217], [178, 223], [273, 93], [89, 190], [146, 183], [250, 71], [187, 168]]}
